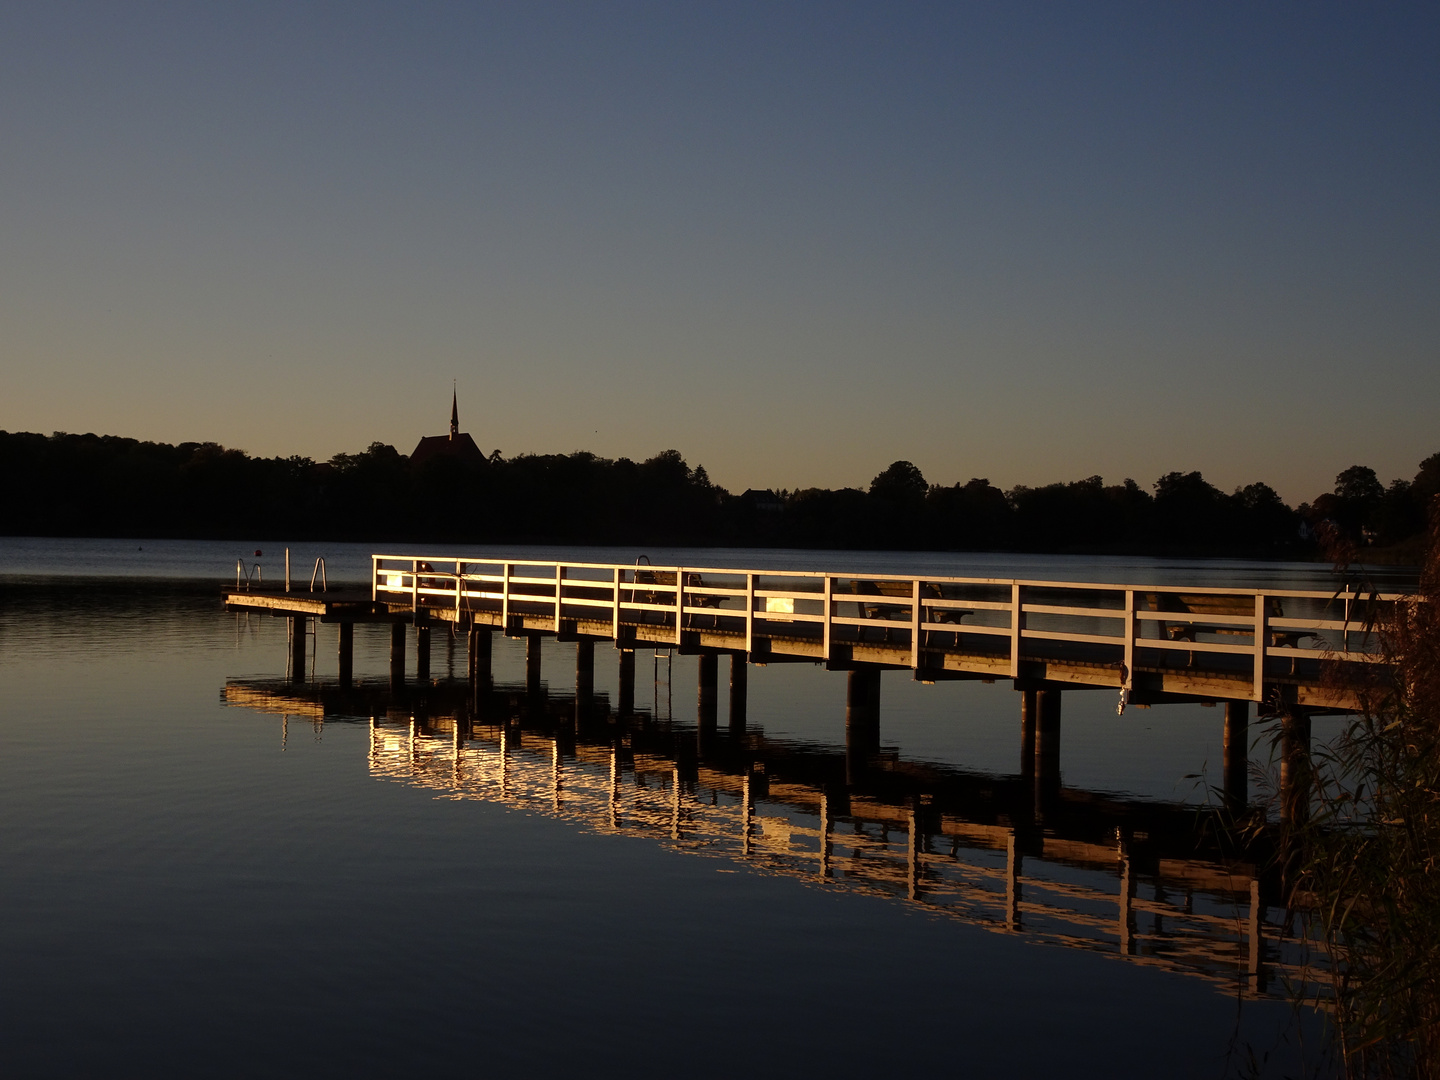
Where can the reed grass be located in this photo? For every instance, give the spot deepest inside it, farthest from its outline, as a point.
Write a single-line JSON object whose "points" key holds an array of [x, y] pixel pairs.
{"points": [[1365, 862]]}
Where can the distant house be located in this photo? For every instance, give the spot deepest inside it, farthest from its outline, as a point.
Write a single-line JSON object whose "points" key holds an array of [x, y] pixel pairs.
{"points": [[458, 444], [764, 501]]}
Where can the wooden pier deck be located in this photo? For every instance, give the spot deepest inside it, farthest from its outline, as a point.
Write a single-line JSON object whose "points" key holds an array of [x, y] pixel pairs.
{"points": [[1293, 653], [1157, 643]]}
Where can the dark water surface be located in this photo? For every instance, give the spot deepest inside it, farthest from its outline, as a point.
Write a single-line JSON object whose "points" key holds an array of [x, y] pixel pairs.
{"points": [[198, 888]]}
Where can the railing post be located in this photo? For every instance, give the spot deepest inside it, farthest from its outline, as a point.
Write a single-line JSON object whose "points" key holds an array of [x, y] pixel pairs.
{"points": [[414, 585], [1017, 623], [1262, 632], [559, 578], [374, 578], [828, 591], [505, 598], [459, 585], [915, 624], [616, 574], [1127, 681], [679, 602], [749, 614]]}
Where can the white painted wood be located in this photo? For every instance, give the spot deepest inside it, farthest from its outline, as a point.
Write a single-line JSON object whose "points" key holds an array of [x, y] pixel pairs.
{"points": [[1261, 632], [1017, 626]]}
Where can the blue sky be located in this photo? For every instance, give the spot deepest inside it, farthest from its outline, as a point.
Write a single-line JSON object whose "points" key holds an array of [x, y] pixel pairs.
{"points": [[794, 241]]}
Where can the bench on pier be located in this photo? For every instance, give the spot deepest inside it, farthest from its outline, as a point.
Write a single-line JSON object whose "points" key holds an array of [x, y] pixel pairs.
{"points": [[1240, 607], [878, 610], [667, 578]]}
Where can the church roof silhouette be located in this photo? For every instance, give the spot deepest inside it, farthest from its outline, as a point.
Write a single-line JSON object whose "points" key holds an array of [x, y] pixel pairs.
{"points": [[457, 444]]}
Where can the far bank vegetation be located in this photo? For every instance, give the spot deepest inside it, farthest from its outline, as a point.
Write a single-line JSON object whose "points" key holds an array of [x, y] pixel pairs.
{"points": [[89, 485]]}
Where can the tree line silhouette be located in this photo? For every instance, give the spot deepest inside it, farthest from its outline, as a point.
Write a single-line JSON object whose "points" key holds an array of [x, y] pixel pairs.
{"points": [[89, 485]]}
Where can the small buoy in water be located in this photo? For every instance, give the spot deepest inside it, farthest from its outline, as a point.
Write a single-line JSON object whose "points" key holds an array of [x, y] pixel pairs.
{"points": [[258, 553]]}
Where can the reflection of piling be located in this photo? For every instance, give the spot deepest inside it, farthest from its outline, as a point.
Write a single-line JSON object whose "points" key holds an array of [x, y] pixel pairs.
{"points": [[397, 655], [1127, 900], [1014, 859], [739, 688], [298, 626], [347, 654], [626, 703], [1237, 756], [1255, 961], [862, 722]]}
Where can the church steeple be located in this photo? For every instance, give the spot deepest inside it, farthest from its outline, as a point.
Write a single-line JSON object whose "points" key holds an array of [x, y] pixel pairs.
{"points": [[454, 413]]}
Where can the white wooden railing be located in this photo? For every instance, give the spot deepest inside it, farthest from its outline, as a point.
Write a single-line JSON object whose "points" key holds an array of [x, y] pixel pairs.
{"points": [[919, 611]]}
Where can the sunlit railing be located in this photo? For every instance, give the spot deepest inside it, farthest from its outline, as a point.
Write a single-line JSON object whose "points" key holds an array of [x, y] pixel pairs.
{"points": [[918, 615]]}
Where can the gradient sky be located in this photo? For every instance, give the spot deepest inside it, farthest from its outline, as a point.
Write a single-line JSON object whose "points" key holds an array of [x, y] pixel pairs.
{"points": [[796, 242]]}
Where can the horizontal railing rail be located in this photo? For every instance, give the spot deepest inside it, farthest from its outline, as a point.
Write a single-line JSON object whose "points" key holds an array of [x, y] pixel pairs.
{"points": [[929, 614]]}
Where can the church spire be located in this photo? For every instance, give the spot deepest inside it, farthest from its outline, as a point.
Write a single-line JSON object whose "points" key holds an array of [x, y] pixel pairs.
{"points": [[454, 413]]}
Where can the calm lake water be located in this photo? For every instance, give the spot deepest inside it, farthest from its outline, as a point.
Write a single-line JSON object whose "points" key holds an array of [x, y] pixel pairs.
{"points": [[207, 874]]}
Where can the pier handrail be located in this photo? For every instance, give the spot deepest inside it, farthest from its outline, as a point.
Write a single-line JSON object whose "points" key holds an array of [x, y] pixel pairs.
{"points": [[248, 575], [913, 611], [320, 570]]}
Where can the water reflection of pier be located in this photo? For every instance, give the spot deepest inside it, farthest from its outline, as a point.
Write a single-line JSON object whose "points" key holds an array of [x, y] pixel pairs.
{"points": [[1151, 882]]}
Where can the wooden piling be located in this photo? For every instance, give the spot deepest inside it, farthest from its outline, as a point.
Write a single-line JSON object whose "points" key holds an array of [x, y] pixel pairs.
{"points": [[397, 655], [1047, 735], [347, 653], [532, 663], [298, 627], [479, 657], [1237, 754], [739, 690], [1028, 712], [862, 722], [708, 689], [422, 650], [1295, 766], [1047, 751], [584, 668], [626, 703]]}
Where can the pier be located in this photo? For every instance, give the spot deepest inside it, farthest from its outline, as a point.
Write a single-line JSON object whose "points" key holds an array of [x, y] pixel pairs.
{"points": [[1285, 654]]}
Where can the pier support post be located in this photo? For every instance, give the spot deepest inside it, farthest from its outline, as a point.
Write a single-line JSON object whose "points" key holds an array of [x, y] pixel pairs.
{"points": [[347, 653], [397, 655], [584, 668], [708, 691], [1047, 735], [1237, 754], [298, 627], [1047, 749], [422, 650], [1295, 766], [862, 722], [532, 663], [479, 658], [739, 689], [1029, 710], [626, 704]]}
